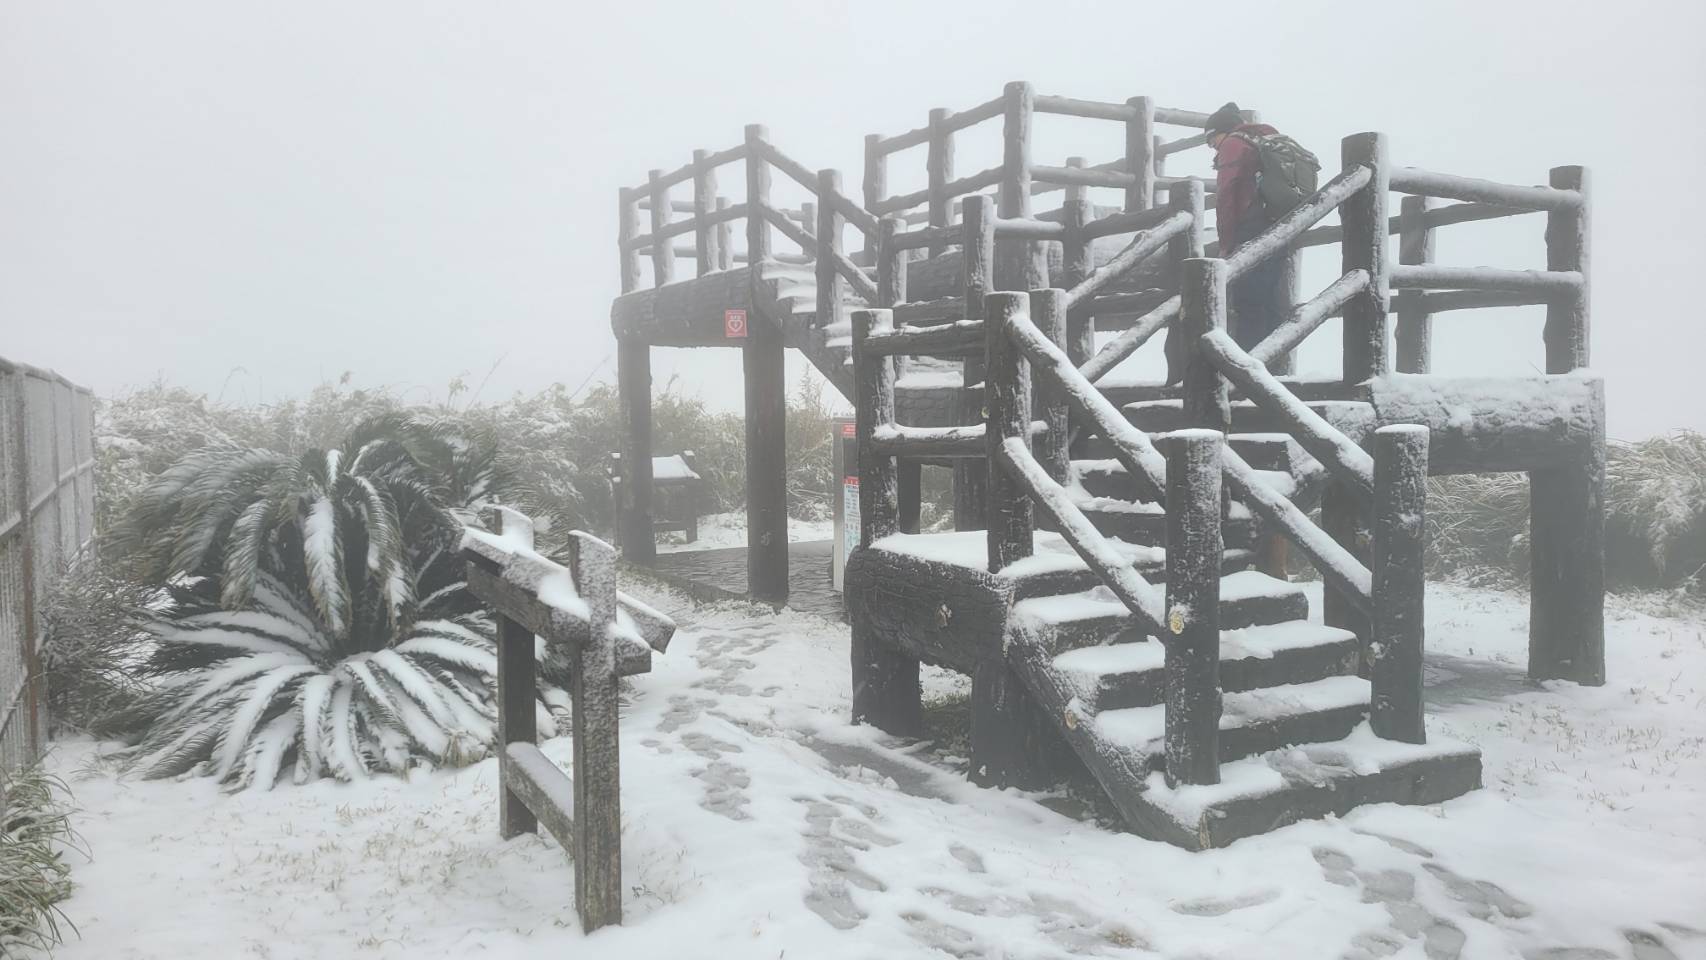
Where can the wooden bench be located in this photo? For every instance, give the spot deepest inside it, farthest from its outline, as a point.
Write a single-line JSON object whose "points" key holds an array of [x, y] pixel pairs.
{"points": [[679, 489]]}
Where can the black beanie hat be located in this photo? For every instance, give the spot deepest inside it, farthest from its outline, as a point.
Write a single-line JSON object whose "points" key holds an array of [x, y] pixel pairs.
{"points": [[1225, 120]]}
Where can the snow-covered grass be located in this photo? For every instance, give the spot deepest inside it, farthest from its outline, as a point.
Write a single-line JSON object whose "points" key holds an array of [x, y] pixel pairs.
{"points": [[758, 823]]}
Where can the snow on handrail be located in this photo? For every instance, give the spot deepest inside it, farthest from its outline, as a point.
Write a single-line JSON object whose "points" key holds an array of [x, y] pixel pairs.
{"points": [[1279, 236], [1428, 183]]}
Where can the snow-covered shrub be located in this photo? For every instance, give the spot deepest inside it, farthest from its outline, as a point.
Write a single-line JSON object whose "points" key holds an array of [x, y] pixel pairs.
{"points": [[94, 644], [1655, 518], [316, 619], [35, 831]]}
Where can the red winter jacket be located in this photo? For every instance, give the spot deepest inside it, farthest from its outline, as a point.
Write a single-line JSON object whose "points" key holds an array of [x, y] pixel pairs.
{"points": [[1237, 211]]}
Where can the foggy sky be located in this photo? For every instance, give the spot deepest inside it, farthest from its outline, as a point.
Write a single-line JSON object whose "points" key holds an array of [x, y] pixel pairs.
{"points": [[249, 198]]}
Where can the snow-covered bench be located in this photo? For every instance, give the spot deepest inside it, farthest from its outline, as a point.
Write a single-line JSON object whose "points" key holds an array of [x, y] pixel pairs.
{"points": [[578, 613], [679, 489]]}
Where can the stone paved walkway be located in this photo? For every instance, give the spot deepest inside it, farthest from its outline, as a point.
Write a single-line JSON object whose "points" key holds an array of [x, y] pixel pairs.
{"points": [[720, 574]]}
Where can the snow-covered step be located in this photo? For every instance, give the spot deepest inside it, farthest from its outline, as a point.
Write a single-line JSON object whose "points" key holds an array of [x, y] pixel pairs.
{"points": [[1093, 616], [1251, 722], [1123, 675], [1146, 523], [1272, 789]]}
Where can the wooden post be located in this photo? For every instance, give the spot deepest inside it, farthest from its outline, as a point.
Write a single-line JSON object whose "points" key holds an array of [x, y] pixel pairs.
{"points": [[939, 167], [971, 475], [1567, 322], [517, 719], [891, 263], [1341, 519], [885, 681], [766, 403], [1182, 198], [663, 251], [634, 392], [628, 227], [1566, 625], [1076, 263], [1192, 646], [1048, 312], [597, 747], [1290, 285], [704, 201], [725, 238], [1364, 248], [1021, 264], [1395, 648], [1007, 397], [909, 490], [831, 285], [1415, 324], [1140, 154], [1207, 403], [875, 186]]}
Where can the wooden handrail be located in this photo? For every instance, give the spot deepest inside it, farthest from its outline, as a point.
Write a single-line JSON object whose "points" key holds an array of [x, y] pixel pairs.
{"points": [[1338, 567], [971, 184], [1288, 228], [1141, 247], [1428, 183], [1081, 176], [1132, 446], [1125, 222], [897, 440], [1307, 317], [1314, 434], [1115, 571], [1427, 276], [1115, 351]]}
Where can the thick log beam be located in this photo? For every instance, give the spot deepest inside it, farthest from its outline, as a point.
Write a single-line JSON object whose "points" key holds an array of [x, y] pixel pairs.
{"points": [[1192, 639], [766, 408], [1488, 424], [1396, 628]]}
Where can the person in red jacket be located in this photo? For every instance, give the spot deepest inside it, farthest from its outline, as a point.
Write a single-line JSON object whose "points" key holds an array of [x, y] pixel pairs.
{"points": [[1258, 300]]}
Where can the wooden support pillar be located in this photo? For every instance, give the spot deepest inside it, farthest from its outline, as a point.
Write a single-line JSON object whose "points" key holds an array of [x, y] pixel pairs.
{"points": [[1192, 645], [875, 185], [909, 485], [1290, 285], [1207, 402], [1007, 397], [1364, 248], [885, 681], [1342, 519], [704, 201], [634, 493], [1396, 628], [1140, 154], [939, 169], [1566, 631], [831, 285], [517, 719], [725, 238], [1021, 264], [1048, 312], [663, 250], [628, 227], [1567, 321], [593, 688], [1076, 262], [971, 475], [766, 405], [1415, 332], [1014, 743], [1183, 198], [1566, 626]]}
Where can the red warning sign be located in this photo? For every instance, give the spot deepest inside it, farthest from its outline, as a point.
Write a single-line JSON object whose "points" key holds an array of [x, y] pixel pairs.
{"points": [[734, 324], [849, 430]]}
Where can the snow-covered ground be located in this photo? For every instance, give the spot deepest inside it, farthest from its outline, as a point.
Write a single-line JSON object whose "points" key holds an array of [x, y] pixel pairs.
{"points": [[759, 824], [717, 530]]}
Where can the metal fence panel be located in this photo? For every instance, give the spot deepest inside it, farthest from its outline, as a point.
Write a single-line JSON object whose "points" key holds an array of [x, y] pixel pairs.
{"points": [[47, 512]]}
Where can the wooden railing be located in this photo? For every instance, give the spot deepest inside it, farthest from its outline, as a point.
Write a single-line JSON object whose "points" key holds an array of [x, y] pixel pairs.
{"points": [[605, 636]]}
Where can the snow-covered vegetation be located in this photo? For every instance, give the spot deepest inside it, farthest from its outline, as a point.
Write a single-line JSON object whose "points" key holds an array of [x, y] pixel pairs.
{"points": [[35, 835]]}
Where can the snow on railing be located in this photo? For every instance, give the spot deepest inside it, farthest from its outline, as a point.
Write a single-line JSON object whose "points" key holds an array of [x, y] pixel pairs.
{"points": [[578, 613]]}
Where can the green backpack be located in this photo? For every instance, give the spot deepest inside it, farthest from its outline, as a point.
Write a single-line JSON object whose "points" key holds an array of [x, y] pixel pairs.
{"points": [[1286, 174]]}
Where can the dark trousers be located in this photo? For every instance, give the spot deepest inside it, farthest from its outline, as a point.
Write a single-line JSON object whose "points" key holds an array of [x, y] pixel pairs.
{"points": [[1258, 301]]}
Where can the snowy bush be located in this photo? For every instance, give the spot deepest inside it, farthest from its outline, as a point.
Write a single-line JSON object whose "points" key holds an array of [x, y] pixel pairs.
{"points": [[94, 645], [316, 620], [35, 831]]}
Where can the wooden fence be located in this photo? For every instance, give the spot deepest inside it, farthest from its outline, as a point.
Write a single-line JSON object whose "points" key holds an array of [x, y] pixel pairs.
{"points": [[47, 518]]}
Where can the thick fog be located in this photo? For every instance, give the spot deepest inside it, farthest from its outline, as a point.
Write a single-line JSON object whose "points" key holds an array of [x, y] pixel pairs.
{"points": [[248, 199]]}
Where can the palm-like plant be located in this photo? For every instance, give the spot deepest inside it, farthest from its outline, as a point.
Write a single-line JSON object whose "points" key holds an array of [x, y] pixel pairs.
{"points": [[317, 613]]}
